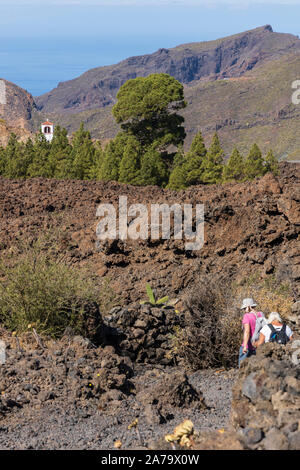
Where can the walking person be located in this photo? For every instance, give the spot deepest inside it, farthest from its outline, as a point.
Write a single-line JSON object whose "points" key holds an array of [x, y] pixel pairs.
{"points": [[250, 315], [275, 331]]}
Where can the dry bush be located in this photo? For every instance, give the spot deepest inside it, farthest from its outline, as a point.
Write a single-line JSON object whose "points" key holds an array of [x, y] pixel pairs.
{"points": [[269, 295], [212, 335]]}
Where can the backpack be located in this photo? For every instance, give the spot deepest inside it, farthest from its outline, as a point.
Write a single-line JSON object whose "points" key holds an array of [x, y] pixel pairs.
{"points": [[280, 336], [259, 324]]}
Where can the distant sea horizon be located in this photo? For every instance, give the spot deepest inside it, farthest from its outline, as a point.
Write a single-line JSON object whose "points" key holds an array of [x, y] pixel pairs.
{"points": [[44, 43], [39, 64]]}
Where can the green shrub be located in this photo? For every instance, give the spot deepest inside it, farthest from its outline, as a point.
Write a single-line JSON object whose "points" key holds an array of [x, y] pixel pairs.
{"points": [[37, 288]]}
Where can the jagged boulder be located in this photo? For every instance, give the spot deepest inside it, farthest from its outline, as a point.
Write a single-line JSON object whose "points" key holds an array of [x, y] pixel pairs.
{"points": [[165, 394], [144, 332]]}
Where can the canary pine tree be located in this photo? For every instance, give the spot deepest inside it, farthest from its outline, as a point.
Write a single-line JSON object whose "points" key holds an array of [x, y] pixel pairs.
{"points": [[193, 165], [254, 163], [131, 162], [60, 160], [213, 162], [109, 169], [234, 168], [177, 179], [153, 168], [83, 154], [40, 164], [271, 163]]}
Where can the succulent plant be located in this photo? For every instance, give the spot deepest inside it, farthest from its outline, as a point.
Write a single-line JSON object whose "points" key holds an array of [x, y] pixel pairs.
{"points": [[152, 300]]}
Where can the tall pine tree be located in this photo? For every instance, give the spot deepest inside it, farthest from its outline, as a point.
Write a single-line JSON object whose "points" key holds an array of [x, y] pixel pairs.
{"points": [[271, 163], [234, 168], [131, 162], [83, 154], [193, 165], [213, 162], [254, 163], [110, 166], [177, 179]]}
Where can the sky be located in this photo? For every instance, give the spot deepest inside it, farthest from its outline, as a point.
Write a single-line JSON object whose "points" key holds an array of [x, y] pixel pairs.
{"points": [[43, 42]]}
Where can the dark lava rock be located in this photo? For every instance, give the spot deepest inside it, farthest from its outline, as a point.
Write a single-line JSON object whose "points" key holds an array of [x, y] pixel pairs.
{"points": [[143, 333], [266, 399]]}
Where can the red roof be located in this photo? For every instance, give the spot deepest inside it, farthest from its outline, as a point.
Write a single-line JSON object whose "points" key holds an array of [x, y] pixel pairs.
{"points": [[47, 123]]}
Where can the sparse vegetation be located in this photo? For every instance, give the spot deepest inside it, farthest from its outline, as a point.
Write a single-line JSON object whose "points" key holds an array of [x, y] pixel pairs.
{"points": [[38, 288], [270, 295], [152, 300], [211, 337]]}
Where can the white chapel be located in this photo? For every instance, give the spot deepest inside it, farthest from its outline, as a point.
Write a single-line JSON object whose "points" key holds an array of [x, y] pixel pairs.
{"points": [[48, 130]]}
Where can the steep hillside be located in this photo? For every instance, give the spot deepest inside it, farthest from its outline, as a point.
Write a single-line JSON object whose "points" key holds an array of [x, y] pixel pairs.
{"points": [[15, 112]]}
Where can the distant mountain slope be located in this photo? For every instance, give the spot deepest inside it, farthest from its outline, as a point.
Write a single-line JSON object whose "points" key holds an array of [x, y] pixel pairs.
{"points": [[227, 57], [255, 107]]}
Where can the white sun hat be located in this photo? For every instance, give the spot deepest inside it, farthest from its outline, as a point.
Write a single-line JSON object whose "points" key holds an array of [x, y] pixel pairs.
{"points": [[248, 303]]}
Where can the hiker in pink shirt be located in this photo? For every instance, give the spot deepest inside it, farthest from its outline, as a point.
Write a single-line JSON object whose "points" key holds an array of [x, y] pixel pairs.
{"points": [[249, 321]]}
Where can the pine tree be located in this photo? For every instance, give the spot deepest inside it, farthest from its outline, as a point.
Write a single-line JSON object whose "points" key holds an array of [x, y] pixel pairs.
{"points": [[98, 161], [192, 169], [153, 168], [147, 107], [254, 163], [60, 159], [40, 164], [113, 154], [131, 162], [177, 179], [14, 155], [82, 154], [234, 169], [213, 162], [10, 152], [271, 163]]}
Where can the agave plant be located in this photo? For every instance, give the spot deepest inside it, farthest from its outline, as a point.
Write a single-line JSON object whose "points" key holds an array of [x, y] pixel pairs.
{"points": [[152, 300]]}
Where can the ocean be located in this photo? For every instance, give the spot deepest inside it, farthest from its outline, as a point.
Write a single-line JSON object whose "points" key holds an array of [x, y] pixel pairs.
{"points": [[39, 64]]}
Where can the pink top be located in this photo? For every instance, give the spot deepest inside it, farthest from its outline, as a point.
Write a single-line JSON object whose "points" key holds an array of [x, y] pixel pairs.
{"points": [[250, 319]]}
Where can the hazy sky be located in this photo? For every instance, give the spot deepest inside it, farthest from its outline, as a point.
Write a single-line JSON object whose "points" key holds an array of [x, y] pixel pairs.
{"points": [[168, 18], [153, 2], [43, 42]]}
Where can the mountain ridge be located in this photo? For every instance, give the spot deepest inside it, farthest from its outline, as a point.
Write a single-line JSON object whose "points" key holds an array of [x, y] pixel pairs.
{"points": [[225, 57], [240, 86]]}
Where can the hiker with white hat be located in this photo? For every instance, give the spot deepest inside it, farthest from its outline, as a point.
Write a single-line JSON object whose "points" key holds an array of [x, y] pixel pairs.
{"points": [[275, 331], [251, 322]]}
